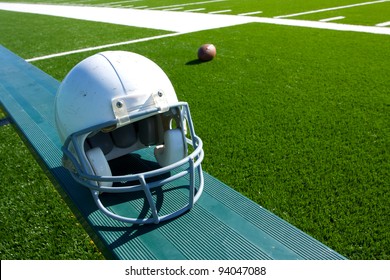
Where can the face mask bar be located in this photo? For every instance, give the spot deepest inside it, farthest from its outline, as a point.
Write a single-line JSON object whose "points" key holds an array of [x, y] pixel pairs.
{"points": [[189, 166]]}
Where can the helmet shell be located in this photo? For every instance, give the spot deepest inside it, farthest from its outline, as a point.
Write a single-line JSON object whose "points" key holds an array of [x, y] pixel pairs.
{"points": [[84, 98]]}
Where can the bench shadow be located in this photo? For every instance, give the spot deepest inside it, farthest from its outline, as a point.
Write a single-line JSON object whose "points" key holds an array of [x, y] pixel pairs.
{"points": [[83, 204]]}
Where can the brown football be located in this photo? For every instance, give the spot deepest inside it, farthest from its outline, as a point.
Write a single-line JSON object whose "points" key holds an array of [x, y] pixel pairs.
{"points": [[207, 52]]}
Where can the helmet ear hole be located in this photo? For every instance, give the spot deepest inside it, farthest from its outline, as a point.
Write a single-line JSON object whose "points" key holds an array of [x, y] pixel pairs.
{"points": [[99, 165], [173, 150]]}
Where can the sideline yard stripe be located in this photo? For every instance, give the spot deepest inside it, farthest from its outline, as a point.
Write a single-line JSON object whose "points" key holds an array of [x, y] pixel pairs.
{"points": [[331, 19], [174, 9], [220, 12], [383, 24], [332, 9], [119, 2], [186, 4], [103, 47], [195, 10], [250, 13]]}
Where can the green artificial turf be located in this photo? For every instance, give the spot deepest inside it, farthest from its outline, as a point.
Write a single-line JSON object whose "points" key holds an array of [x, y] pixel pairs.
{"points": [[33, 35], [35, 223], [295, 118]]}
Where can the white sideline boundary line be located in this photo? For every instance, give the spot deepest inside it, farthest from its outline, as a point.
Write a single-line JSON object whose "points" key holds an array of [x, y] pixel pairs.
{"points": [[332, 9]]}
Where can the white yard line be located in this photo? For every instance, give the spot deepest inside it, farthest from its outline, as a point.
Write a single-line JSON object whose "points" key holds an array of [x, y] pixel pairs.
{"points": [[331, 19], [103, 47], [383, 24], [332, 9]]}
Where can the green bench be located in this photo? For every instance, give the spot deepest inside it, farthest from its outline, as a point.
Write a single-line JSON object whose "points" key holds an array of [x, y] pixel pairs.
{"points": [[222, 225]]}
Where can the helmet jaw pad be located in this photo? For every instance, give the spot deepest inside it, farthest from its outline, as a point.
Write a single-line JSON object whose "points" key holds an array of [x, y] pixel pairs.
{"points": [[99, 165]]}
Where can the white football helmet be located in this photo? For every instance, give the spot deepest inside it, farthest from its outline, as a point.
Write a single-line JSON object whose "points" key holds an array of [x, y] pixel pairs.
{"points": [[115, 105]]}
